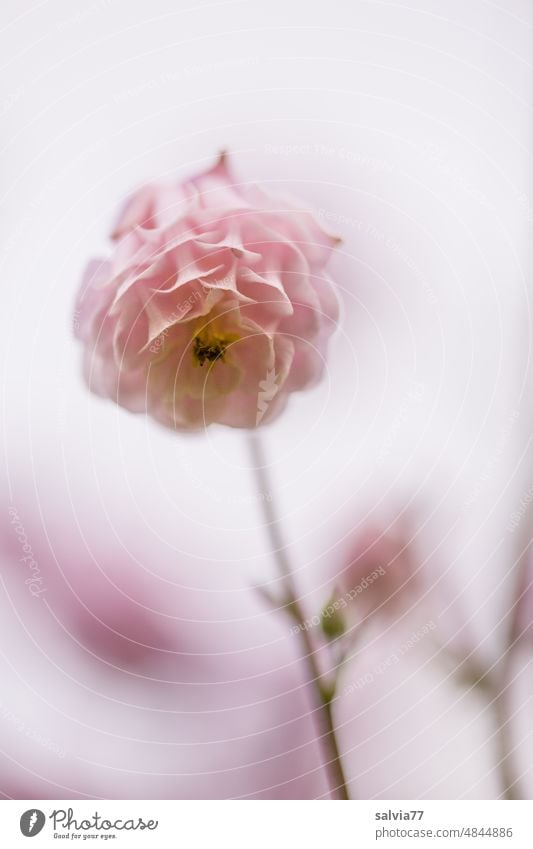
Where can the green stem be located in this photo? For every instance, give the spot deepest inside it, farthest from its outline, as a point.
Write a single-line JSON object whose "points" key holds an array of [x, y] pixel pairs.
{"points": [[510, 786], [320, 695]]}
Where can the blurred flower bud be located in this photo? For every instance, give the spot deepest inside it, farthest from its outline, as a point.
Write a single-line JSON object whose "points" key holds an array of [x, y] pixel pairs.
{"points": [[332, 620], [380, 570]]}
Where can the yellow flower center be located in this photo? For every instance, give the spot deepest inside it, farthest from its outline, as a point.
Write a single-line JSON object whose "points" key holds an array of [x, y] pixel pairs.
{"points": [[211, 347]]}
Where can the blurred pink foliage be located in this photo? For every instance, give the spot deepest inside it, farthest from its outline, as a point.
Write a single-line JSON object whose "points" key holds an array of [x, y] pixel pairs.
{"points": [[180, 693]]}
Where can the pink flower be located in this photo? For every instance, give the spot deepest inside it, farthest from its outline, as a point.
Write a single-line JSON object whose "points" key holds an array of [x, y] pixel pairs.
{"points": [[110, 611], [380, 570], [149, 665], [214, 306]]}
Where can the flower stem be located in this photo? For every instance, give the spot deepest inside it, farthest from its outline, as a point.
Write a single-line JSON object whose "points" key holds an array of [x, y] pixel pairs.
{"points": [[321, 697], [510, 787], [494, 683]]}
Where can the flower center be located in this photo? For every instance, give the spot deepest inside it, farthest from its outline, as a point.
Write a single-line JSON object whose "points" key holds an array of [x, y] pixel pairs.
{"points": [[211, 347]]}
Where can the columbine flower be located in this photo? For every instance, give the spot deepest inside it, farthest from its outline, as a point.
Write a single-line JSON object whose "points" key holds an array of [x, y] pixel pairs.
{"points": [[380, 570], [214, 291]]}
